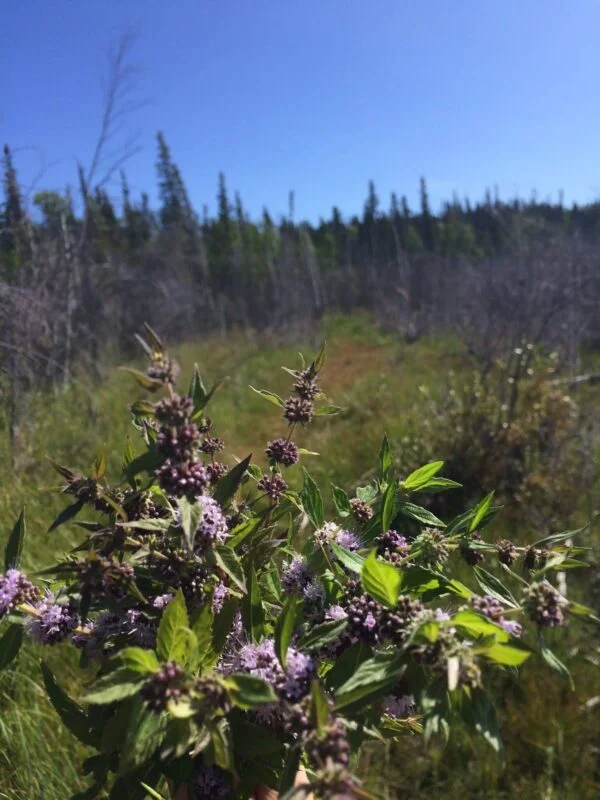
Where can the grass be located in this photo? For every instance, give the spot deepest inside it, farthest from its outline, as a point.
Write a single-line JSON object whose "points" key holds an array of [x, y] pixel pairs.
{"points": [[550, 732]]}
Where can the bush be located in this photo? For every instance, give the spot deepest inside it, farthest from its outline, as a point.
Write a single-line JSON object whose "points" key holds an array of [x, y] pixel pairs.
{"points": [[232, 638], [514, 428]]}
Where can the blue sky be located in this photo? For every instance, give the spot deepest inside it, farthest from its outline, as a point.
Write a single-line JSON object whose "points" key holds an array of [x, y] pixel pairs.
{"points": [[318, 96]]}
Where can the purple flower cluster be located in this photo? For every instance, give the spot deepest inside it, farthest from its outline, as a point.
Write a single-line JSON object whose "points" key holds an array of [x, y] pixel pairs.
{"points": [[212, 445], [183, 478], [296, 409], [490, 607], [212, 528], [220, 594], [392, 546], [178, 443], [347, 539], [261, 661], [174, 411], [361, 510], [282, 451], [14, 590], [295, 575], [54, 624], [161, 601], [507, 552]]}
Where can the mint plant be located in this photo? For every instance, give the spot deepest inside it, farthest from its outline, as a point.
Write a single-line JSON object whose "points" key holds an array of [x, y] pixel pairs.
{"points": [[231, 634]]}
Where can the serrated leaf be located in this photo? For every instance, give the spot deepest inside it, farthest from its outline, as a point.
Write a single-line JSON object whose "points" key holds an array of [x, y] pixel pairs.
{"points": [[10, 644], [139, 660], [202, 625], [494, 587], [270, 396], [144, 735], [509, 655], [420, 476], [367, 493], [220, 735], [117, 685], [197, 390], [311, 500], [191, 514], [435, 485], [174, 616], [229, 483], [249, 692], [382, 581], [349, 559], [14, 545], [146, 462], [341, 501], [372, 680], [420, 514], [225, 558], [99, 468], [322, 634]]}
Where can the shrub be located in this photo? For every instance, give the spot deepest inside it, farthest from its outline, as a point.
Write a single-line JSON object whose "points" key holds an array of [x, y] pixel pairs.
{"points": [[230, 634], [515, 428]]}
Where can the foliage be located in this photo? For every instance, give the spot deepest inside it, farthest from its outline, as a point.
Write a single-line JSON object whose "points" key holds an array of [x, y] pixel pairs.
{"points": [[516, 428], [230, 632]]}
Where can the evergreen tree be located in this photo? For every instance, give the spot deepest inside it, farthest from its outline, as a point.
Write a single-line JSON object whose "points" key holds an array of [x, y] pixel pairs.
{"points": [[428, 233], [13, 235]]}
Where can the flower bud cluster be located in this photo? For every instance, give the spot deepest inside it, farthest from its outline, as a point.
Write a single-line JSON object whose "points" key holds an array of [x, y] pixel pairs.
{"points": [[491, 607], [544, 605], [392, 546], [507, 552], [163, 686], [430, 548], [104, 576], [282, 451]]}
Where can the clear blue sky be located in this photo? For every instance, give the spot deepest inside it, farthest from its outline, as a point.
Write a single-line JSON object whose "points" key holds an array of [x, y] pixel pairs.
{"points": [[318, 95]]}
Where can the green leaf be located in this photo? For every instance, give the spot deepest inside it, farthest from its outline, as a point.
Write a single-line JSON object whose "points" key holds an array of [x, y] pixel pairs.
{"points": [[144, 381], [270, 396], [494, 587], [387, 512], [435, 485], [420, 476], [555, 538], [554, 662], [117, 685], [197, 391], [223, 622], [10, 644], [284, 628], [146, 462], [583, 612], [66, 514], [253, 615], [373, 679], [128, 453], [386, 459], [328, 411], [151, 792], [229, 483], [144, 735], [72, 715], [191, 514], [480, 511], [289, 773], [139, 660], [351, 560], [340, 501], [14, 546], [367, 493], [420, 514], [311, 500], [509, 655], [382, 581], [222, 743], [184, 650], [322, 634], [347, 664], [99, 468], [479, 625], [202, 625], [252, 741], [319, 707], [481, 714], [249, 692], [174, 616], [225, 558]]}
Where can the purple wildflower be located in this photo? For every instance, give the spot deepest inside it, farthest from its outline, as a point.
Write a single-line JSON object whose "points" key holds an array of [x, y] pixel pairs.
{"points": [[272, 485], [295, 575], [54, 624], [347, 540], [335, 613], [261, 661], [490, 607], [212, 528], [220, 594], [162, 600], [283, 452], [14, 590]]}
